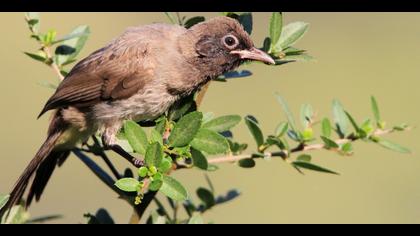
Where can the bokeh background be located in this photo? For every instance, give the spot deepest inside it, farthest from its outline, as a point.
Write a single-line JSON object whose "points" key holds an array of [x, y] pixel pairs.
{"points": [[357, 55]]}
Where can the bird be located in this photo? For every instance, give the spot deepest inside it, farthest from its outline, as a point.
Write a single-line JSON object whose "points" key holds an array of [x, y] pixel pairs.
{"points": [[137, 76]]}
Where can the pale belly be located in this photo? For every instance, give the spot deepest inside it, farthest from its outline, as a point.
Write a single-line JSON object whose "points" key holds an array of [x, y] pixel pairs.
{"points": [[108, 117], [147, 105]]}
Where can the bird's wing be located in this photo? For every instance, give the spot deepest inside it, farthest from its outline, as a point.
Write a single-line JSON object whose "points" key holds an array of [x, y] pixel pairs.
{"points": [[115, 72]]}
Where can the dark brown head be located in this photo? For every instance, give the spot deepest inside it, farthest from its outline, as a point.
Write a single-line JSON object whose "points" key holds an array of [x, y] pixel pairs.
{"points": [[221, 44]]}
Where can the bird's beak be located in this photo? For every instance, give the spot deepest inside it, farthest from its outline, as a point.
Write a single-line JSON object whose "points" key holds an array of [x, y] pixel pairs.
{"points": [[254, 54]]}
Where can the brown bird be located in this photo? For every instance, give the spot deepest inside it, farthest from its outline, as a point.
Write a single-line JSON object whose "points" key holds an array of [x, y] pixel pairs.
{"points": [[137, 76]]}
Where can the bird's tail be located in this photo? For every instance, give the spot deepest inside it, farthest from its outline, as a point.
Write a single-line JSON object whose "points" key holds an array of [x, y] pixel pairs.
{"points": [[42, 164]]}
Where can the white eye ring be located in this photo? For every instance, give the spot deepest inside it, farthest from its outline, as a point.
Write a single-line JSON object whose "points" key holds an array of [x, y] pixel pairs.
{"points": [[230, 41]]}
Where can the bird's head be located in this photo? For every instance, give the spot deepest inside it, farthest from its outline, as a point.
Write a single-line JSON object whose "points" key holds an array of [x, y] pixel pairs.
{"points": [[221, 44]]}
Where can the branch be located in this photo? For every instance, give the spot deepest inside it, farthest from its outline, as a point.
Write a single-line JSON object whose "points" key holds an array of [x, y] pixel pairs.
{"points": [[284, 153], [47, 50], [53, 65]]}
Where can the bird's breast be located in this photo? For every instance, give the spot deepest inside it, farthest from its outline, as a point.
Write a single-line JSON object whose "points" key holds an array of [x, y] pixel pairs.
{"points": [[149, 103]]}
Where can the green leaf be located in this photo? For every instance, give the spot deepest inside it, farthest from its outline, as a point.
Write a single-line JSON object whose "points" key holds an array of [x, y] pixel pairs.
{"points": [[123, 142], [49, 37], [282, 62], [71, 36], [329, 143], [160, 126], [36, 57], [326, 127], [276, 24], [165, 165], [293, 51], [347, 148], [294, 136], [340, 118], [246, 21], [185, 129], [281, 129], [208, 116], [366, 128], [375, 110], [171, 17], [233, 15], [3, 200], [393, 146], [310, 166], [306, 114], [173, 189], [304, 158], [199, 160], [127, 184], [290, 34], [155, 185], [353, 122], [17, 215], [155, 136], [222, 123], [235, 147], [33, 21], [196, 219], [194, 20], [266, 44], [400, 127], [154, 154], [136, 136], [246, 163], [274, 140], [206, 196], [210, 142], [70, 48], [255, 130], [298, 57], [287, 111]]}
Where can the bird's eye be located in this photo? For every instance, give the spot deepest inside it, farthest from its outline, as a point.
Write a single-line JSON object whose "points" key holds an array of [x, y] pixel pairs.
{"points": [[230, 41]]}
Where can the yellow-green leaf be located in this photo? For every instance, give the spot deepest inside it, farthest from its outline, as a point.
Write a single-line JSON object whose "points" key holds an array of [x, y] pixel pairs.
{"points": [[173, 189]]}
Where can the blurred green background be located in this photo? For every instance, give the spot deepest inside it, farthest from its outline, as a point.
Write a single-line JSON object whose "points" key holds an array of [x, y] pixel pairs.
{"points": [[357, 55]]}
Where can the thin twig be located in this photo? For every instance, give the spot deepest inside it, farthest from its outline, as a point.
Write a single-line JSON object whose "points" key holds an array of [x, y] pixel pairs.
{"points": [[53, 65], [283, 153]]}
